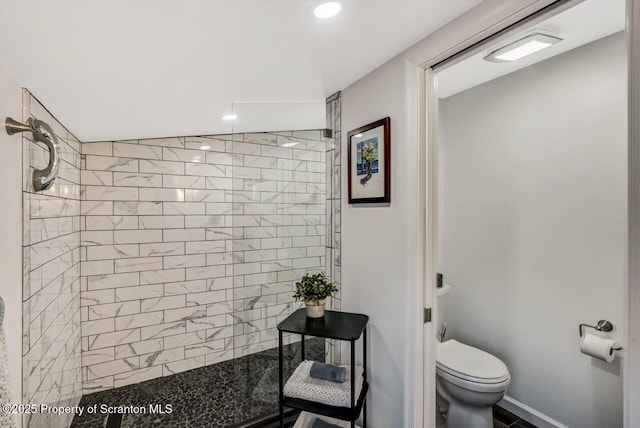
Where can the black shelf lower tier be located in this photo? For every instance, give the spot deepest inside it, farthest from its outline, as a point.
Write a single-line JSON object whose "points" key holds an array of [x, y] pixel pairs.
{"points": [[342, 413]]}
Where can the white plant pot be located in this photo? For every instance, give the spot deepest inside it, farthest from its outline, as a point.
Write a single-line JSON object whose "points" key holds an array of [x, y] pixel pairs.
{"points": [[315, 309]]}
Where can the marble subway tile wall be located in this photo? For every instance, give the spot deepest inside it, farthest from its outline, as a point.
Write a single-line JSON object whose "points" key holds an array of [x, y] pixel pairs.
{"points": [[333, 172], [279, 224], [51, 286], [333, 232], [190, 247]]}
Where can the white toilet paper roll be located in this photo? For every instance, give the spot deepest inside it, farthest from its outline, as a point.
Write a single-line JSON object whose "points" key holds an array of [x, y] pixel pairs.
{"points": [[599, 347]]}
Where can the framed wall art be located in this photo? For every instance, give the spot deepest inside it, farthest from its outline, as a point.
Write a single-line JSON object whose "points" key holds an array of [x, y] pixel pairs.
{"points": [[369, 163]]}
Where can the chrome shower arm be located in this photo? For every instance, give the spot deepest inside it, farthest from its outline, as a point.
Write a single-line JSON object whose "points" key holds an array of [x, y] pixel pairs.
{"points": [[13, 126], [42, 132]]}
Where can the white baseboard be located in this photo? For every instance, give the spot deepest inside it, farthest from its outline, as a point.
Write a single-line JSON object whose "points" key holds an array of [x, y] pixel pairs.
{"points": [[529, 414]]}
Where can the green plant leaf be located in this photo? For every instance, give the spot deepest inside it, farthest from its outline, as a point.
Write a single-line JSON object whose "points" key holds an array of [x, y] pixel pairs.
{"points": [[312, 288]]}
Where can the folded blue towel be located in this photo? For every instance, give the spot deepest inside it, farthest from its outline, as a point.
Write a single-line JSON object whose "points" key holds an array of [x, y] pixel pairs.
{"points": [[327, 372], [319, 423]]}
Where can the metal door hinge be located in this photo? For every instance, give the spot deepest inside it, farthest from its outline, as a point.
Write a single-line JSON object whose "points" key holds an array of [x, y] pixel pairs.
{"points": [[427, 315]]}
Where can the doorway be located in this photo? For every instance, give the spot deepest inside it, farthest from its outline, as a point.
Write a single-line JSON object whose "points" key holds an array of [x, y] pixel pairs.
{"points": [[522, 202]]}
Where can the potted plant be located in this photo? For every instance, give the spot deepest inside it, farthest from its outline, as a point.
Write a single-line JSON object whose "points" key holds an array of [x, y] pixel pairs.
{"points": [[313, 291]]}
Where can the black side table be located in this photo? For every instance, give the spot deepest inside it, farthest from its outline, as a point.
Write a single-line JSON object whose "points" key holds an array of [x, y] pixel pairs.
{"points": [[334, 325]]}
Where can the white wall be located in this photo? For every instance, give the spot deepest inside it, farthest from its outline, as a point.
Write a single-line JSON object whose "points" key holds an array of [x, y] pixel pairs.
{"points": [[11, 230], [535, 210], [380, 260], [376, 249]]}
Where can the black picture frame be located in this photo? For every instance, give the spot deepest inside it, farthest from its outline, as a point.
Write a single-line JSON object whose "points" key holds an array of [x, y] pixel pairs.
{"points": [[376, 170]]}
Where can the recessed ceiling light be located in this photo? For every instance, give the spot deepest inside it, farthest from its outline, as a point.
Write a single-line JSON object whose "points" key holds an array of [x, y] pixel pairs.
{"points": [[205, 147], [520, 48], [230, 116], [327, 9], [294, 143]]}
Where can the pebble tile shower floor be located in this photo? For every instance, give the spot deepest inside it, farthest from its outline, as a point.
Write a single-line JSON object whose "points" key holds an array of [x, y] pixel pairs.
{"points": [[222, 395]]}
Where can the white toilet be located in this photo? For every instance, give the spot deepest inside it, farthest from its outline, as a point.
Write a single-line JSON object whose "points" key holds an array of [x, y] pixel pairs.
{"points": [[470, 381]]}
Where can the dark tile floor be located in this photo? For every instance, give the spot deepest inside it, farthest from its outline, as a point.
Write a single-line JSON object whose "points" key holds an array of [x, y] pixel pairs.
{"points": [[223, 395], [503, 419]]}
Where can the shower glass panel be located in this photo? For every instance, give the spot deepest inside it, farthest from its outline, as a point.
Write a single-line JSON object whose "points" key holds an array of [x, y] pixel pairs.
{"points": [[278, 235], [227, 225]]}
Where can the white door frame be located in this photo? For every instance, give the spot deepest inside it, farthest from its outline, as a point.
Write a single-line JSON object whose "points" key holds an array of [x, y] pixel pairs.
{"points": [[631, 367], [421, 80]]}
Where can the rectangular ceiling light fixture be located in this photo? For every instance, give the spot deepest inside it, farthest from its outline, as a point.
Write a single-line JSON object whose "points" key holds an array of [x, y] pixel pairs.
{"points": [[527, 45]]}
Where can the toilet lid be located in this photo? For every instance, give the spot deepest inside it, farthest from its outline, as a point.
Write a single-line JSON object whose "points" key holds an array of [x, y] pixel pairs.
{"points": [[470, 363]]}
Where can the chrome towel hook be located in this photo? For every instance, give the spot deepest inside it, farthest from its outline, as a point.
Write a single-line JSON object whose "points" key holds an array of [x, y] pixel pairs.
{"points": [[42, 132]]}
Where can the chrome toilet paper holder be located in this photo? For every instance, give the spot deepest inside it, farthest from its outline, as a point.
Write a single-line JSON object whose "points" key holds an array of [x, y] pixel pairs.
{"points": [[602, 325]]}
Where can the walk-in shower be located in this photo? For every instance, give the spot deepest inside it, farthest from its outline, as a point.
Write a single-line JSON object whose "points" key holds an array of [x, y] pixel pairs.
{"points": [[191, 247]]}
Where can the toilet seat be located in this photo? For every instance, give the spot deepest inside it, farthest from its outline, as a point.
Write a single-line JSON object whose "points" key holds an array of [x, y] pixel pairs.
{"points": [[471, 368]]}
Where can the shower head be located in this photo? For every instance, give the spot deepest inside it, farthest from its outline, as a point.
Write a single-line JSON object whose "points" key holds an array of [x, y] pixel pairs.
{"points": [[43, 133]]}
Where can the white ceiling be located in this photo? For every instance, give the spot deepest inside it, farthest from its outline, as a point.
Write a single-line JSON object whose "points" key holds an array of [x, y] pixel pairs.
{"points": [[584, 23], [118, 69]]}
